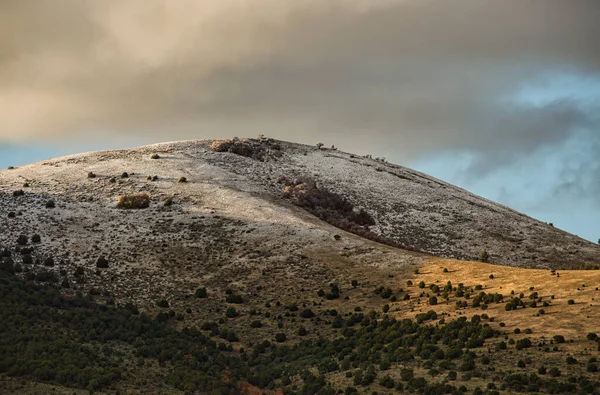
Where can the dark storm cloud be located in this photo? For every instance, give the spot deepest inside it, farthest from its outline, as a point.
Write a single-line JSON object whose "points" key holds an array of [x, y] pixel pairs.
{"points": [[400, 78]]}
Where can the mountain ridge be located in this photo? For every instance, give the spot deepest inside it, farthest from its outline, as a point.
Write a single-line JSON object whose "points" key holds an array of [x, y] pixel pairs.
{"points": [[409, 207]]}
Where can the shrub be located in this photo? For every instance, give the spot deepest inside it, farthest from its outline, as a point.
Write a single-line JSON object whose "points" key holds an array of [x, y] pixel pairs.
{"points": [[334, 292], [302, 331], [571, 301], [231, 312], [280, 337], [307, 313], [49, 261], [138, 201], [256, 324], [484, 256], [182, 180], [91, 175], [36, 238], [554, 372], [155, 156], [592, 336], [46, 276], [433, 301], [50, 204], [168, 201], [125, 175], [257, 149], [407, 374], [523, 343], [201, 293], [163, 303], [22, 240], [387, 382], [234, 298], [221, 145], [542, 370], [558, 338], [102, 263], [19, 192]]}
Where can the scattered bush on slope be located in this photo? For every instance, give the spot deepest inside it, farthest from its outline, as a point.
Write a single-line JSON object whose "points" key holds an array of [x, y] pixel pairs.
{"points": [[141, 200]]}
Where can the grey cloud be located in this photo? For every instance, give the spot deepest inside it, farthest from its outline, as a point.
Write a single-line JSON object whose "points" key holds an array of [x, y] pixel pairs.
{"points": [[400, 78]]}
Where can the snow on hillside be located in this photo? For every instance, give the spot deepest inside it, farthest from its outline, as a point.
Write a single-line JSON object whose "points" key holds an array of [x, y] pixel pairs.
{"points": [[230, 226]]}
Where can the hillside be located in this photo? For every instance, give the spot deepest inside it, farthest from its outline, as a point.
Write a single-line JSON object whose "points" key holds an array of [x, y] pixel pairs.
{"points": [[237, 253], [410, 208]]}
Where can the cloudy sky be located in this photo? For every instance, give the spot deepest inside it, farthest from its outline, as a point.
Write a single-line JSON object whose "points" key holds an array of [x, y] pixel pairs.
{"points": [[500, 97]]}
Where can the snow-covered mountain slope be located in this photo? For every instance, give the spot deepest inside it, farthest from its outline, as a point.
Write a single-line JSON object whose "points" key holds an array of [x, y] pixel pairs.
{"points": [[230, 224]]}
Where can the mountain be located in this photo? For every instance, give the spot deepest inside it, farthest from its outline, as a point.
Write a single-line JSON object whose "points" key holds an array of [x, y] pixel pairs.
{"points": [[257, 239], [409, 208]]}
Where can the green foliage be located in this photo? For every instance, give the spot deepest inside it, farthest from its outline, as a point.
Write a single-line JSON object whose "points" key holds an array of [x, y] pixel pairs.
{"points": [[102, 263], [334, 292], [307, 313], [523, 343], [163, 303], [47, 337], [234, 298], [201, 293], [280, 337]]}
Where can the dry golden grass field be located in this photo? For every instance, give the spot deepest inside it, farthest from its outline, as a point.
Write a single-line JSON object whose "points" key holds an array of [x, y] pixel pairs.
{"points": [[574, 321]]}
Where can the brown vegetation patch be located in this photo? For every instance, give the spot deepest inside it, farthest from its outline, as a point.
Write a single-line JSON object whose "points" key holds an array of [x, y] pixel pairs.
{"points": [[258, 149], [332, 208], [141, 200]]}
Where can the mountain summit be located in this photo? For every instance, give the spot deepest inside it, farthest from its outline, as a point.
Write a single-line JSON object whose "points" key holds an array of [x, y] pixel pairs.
{"points": [[245, 180]]}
